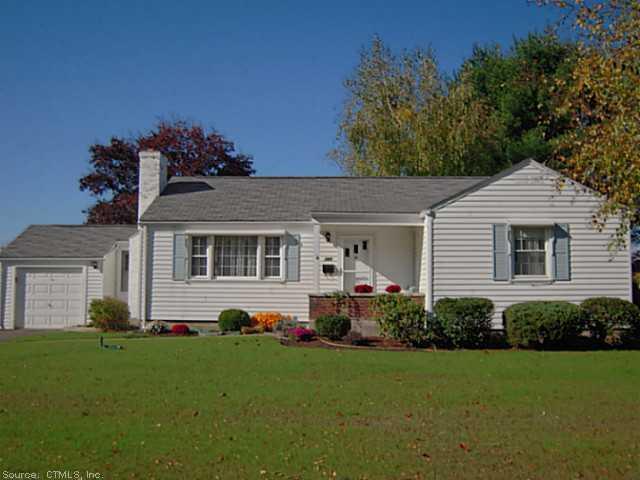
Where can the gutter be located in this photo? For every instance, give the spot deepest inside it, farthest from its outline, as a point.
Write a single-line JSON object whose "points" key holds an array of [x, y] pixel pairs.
{"points": [[428, 222]]}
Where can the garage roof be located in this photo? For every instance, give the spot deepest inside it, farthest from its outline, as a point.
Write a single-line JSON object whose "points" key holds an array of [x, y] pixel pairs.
{"points": [[66, 241]]}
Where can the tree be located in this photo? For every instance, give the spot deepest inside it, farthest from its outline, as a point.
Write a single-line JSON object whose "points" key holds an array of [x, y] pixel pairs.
{"points": [[602, 100], [402, 118], [190, 151], [517, 87]]}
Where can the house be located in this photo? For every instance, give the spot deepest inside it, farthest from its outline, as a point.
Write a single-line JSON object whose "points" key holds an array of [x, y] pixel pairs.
{"points": [[269, 243]]}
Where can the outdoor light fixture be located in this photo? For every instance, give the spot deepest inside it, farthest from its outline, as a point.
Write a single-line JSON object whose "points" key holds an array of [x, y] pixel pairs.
{"points": [[327, 236], [94, 265]]}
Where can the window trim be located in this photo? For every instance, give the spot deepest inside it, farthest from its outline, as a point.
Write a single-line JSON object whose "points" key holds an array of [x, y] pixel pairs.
{"points": [[207, 255], [280, 257], [548, 250], [121, 282], [260, 255]]}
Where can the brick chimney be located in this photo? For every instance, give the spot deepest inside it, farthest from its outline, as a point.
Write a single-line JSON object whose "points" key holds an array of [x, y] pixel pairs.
{"points": [[152, 178]]}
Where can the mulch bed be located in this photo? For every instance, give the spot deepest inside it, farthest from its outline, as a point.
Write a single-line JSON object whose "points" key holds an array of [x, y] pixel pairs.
{"points": [[372, 343]]}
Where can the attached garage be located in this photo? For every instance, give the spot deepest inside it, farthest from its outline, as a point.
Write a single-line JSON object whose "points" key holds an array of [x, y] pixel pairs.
{"points": [[50, 274], [50, 297]]}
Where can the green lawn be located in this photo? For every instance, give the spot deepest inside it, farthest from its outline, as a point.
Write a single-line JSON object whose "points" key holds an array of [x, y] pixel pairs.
{"points": [[246, 407]]}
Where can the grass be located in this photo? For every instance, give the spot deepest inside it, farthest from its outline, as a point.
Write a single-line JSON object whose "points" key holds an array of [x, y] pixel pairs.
{"points": [[246, 407]]}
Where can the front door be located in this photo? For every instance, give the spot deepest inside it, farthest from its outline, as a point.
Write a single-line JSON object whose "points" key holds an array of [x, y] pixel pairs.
{"points": [[356, 262]]}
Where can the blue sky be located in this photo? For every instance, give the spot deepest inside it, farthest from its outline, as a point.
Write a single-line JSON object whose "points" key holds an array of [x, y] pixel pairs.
{"points": [[268, 75]]}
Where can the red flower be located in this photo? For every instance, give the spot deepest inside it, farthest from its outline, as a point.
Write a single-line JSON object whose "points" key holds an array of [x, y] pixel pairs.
{"points": [[393, 288], [180, 329], [363, 288]]}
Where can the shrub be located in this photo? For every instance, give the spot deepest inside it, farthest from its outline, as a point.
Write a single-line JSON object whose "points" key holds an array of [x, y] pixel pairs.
{"points": [[267, 319], [233, 320], [393, 288], [301, 334], [402, 319], [109, 314], [180, 329], [333, 326], [363, 288], [285, 324], [542, 323], [464, 322], [601, 315]]}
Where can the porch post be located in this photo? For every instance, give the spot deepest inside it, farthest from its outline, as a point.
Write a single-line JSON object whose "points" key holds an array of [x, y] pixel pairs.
{"points": [[316, 257], [428, 222]]}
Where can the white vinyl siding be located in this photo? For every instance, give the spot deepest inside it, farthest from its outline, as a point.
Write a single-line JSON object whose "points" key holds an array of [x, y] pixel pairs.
{"points": [[134, 276], [204, 300], [94, 284], [462, 244], [7, 289]]}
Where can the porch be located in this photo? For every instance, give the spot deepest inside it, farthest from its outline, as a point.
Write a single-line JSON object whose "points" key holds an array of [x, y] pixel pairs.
{"points": [[370, 249]]}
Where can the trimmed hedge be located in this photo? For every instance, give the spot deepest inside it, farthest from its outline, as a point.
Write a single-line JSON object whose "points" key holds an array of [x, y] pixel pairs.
{"points": [[109, 314], [464, 322], [233, 320], [543, 323], [333, 327], [602, 315]]}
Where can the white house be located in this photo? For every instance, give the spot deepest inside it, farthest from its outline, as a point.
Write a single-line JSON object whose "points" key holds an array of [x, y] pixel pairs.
{"points": [[204, 244]]}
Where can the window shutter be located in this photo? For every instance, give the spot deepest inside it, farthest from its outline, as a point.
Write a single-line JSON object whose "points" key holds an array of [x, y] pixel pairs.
{"points": [[293, 258], [501, 257], [179, 256], [561, 251]]}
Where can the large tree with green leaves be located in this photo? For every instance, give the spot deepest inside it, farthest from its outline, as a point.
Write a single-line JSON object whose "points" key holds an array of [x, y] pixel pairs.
{"points": [[517, 85], [401, 117]]}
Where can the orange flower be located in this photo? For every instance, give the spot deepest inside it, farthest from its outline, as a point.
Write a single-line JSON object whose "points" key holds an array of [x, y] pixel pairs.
{"points": [[267, 319]]}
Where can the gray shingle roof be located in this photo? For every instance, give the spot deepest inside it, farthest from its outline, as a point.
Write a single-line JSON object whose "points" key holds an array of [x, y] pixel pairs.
{"points": [[251, 199], [66, 241]]}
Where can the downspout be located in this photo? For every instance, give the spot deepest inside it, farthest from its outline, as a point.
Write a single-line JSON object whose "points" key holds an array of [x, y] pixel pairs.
{"points": [[142, 304], [316, 257], [428, 221]]}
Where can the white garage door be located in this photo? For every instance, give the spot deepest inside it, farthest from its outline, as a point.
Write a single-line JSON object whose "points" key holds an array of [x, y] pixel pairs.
{"points": [[52, 298]]}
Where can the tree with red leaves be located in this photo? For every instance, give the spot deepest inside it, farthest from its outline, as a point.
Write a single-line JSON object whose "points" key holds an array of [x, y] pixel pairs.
{"points": [[190, 151]]}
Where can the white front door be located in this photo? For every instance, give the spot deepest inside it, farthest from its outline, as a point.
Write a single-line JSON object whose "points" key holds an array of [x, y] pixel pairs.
{"points": [[51, 298], [356, 262]]}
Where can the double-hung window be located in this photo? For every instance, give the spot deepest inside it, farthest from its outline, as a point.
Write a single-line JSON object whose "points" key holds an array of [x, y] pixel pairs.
{"points": [[530, 251], [272, 257], [235, 256], [199, 257]]}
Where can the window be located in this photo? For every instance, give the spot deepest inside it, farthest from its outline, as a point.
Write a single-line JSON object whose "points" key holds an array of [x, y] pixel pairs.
{"points": [[124, 272], [272, 257], [530, 250], [235, 256], [199, 257]]}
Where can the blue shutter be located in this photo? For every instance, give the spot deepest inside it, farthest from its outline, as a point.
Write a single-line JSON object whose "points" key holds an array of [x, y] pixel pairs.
{"points": [[180, 255], [292, 258], [501, 258], [561, 251]]}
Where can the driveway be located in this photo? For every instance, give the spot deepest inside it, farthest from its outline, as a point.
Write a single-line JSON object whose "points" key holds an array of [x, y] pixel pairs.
{"points": [[22, 332]]}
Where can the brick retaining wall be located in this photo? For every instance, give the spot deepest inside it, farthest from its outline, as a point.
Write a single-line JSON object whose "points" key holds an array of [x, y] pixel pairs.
{"points": [[357, 307]]}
